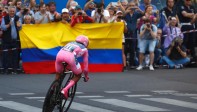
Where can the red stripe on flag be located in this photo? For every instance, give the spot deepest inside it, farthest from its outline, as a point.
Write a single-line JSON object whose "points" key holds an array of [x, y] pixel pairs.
{"points": [[48, 67]]}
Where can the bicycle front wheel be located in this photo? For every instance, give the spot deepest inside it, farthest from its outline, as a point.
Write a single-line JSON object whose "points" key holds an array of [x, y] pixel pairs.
{"points": [[52, 97]]}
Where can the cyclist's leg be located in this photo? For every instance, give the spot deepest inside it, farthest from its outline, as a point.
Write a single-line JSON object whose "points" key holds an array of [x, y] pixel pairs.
{"points": [[77, 71], [58, 63]]}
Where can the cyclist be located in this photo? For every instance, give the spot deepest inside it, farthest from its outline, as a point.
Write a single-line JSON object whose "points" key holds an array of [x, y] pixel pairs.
{"points": [[69, 54]]}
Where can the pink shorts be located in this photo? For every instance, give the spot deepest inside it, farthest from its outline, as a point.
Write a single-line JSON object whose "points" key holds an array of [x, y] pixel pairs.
{"points": [[68, 57]]}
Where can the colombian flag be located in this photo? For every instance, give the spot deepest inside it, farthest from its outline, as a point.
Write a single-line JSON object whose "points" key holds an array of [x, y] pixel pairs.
{"points": [[41, 42]]}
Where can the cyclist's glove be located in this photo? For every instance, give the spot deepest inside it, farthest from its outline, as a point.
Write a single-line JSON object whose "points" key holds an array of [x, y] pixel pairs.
{"points": [[86, 75]]}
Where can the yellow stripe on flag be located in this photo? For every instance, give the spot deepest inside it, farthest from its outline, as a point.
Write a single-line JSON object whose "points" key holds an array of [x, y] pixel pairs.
{"points": [[47, 36]]}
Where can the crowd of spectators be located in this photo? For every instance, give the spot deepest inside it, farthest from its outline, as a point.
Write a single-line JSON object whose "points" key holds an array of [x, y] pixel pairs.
{"points": [[151, 36]]}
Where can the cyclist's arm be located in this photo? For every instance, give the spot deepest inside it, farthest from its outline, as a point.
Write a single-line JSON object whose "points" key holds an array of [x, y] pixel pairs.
{"points": [[85, 61]]}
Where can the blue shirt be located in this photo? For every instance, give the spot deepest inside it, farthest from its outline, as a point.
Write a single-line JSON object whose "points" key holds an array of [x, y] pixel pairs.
{"points": [[13, 28], [131, 20]]}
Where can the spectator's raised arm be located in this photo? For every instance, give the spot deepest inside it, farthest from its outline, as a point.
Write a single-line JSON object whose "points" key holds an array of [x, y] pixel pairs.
{"points": [[86, 6]]}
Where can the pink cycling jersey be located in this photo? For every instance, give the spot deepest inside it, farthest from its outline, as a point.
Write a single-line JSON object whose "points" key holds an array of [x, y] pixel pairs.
{"points": [[69, 53]]}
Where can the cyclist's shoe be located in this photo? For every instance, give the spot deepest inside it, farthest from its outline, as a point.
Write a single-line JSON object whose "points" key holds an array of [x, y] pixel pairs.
{"points": [[65, 93]]}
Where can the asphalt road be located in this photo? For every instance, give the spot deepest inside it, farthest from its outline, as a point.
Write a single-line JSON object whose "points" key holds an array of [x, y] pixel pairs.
{"points": [[161, 90]]}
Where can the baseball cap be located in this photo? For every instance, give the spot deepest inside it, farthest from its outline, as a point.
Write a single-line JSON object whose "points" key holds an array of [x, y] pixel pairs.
{"points": [[78, 7], [65, 10], [118, 12]]}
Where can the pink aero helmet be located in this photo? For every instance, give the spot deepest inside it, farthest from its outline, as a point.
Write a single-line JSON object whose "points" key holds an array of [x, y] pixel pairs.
{"points": [[83, 39]]}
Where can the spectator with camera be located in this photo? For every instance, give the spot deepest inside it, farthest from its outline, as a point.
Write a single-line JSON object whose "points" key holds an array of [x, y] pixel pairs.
{"points": [[100, 15], [171, 31], [176, 56], [148, 33], [132, 14], [147, 14], [23, 12], [80, 16]]}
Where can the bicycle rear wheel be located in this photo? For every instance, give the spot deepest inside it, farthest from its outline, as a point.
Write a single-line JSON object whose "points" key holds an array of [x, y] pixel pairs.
{"points": [[52, 97]]}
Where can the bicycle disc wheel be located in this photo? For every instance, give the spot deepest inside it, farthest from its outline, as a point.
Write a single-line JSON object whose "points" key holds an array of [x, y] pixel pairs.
{"points": [[66, 103], [52, 97]]}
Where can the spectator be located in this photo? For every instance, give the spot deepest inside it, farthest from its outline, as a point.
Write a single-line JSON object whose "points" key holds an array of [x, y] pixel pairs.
{"points": [[100, 15], [137, 3], [119, 18], [28, 19], [54, 15], [4, 2], [186, 15], [171, 31], [35, 8], [123, 3], [11, 26], [2, 14], [112, 16], [178, 4], [170, 10], [71, 4], [158, 50], [148, 33], [147, 3], [18, 4], [176, 55], [166, 12], [42, 16], [65, 16], [89, 7], [132, 14], [148, 14], [25, 11], [80, 16]]}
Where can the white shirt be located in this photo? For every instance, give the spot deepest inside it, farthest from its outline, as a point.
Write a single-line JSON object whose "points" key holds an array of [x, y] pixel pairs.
{"points": [[105, 13]]}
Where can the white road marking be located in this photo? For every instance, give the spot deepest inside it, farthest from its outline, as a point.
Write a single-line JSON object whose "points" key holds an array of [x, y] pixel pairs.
{"points": [[19, 106], [21, 94], [184, 94], [87, 108], [194, 97], [89, 96], [35, 97], [173, 102], [138, 95], [130, 105], [116, 91], [79, 93], [165, 91]]}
